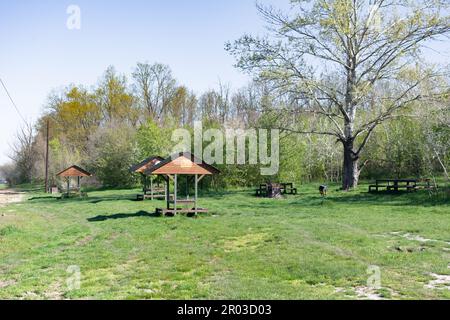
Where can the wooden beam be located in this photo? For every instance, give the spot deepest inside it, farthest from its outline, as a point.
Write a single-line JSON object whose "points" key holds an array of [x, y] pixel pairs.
{"points": [[175, 192], [196, 194], [151, 188], [167, 191]]}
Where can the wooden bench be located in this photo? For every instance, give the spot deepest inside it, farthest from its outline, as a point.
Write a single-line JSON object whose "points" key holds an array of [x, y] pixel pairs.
{"points": [[155, 190], [394, 185], [286, 188], [376, 187], [142, 197], [155, 193], [183, 201]]}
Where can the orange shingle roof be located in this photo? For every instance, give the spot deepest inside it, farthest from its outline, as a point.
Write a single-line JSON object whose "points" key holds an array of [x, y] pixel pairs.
{"points": [[74, 171]]}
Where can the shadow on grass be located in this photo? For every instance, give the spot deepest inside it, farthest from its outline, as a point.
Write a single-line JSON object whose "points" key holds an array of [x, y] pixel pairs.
{"points": [[91, 200], [30, 189], [122, 216], [217, 195], [42, 198], [95, 200], [9, 193]]}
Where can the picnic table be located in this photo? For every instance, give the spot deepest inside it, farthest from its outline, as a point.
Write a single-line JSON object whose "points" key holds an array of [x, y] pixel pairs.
{"points": [[397, 185], [286, 188], [154, 193]]}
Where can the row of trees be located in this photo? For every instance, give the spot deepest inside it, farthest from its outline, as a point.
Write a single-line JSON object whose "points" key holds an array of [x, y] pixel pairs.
{"points": [[344, 81], [108, 137]]}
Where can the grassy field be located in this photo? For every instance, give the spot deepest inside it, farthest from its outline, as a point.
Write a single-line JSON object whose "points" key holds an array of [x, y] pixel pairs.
{"points": [[297, 248]]}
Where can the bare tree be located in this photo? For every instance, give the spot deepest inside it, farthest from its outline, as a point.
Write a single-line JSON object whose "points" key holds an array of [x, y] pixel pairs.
{"points": [[24, 155], [216, 103], [155, 87], [336, 57]]}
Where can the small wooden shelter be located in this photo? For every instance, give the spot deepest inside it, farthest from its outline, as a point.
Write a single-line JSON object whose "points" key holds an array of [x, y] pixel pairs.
{"points": [[141, 167], [181, 164], [76, 172]]}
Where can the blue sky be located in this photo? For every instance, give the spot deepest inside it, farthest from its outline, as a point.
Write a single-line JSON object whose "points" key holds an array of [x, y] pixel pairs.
{"points": [[38, 53]]}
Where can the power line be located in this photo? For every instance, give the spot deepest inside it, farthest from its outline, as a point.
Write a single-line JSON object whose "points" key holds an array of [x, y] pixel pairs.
{"points": [[12, 101]]}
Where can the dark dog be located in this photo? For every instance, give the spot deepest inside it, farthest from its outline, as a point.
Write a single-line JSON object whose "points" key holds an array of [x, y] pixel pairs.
{"points": [[323, 190]]}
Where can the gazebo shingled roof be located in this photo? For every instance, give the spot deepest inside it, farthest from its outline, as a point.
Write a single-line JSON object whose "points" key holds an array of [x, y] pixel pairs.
{"points": [[146, 164], [183, 163], [74, 171]]}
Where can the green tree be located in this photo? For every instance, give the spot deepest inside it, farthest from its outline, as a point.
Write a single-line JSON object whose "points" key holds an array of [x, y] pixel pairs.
{"points": [[114, 98], [112, 151], [153, 140], [74, 115]]}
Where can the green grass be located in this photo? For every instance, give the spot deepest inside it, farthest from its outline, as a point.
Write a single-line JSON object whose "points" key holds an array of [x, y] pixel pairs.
{"points": [[301, 247]]}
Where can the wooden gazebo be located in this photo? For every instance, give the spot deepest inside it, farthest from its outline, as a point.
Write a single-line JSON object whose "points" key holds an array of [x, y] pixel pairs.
{"points": [[181, 164], [73, 172], [140, 168]]}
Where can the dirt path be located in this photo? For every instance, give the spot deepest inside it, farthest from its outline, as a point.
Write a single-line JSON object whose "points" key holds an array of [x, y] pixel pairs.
{"points": [[10, 196]]}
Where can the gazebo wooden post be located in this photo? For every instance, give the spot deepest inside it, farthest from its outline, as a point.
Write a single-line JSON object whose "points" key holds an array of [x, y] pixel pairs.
{"points": [[68, 187], [167, 191], [151, 187], [196, 194], [79, 185], [175, 192]]}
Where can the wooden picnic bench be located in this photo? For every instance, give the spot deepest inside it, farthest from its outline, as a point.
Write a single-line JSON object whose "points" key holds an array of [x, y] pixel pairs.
{"points": [[286, 188], [152, 193], [425, 184], [396, 185], [144, 196]]}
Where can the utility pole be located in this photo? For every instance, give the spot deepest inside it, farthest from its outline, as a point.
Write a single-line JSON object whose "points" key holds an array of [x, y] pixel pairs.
{"points": [[46, 157]]}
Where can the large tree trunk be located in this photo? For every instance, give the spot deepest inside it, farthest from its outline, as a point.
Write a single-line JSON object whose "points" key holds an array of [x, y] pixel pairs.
{"points": [[350, 168]]}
